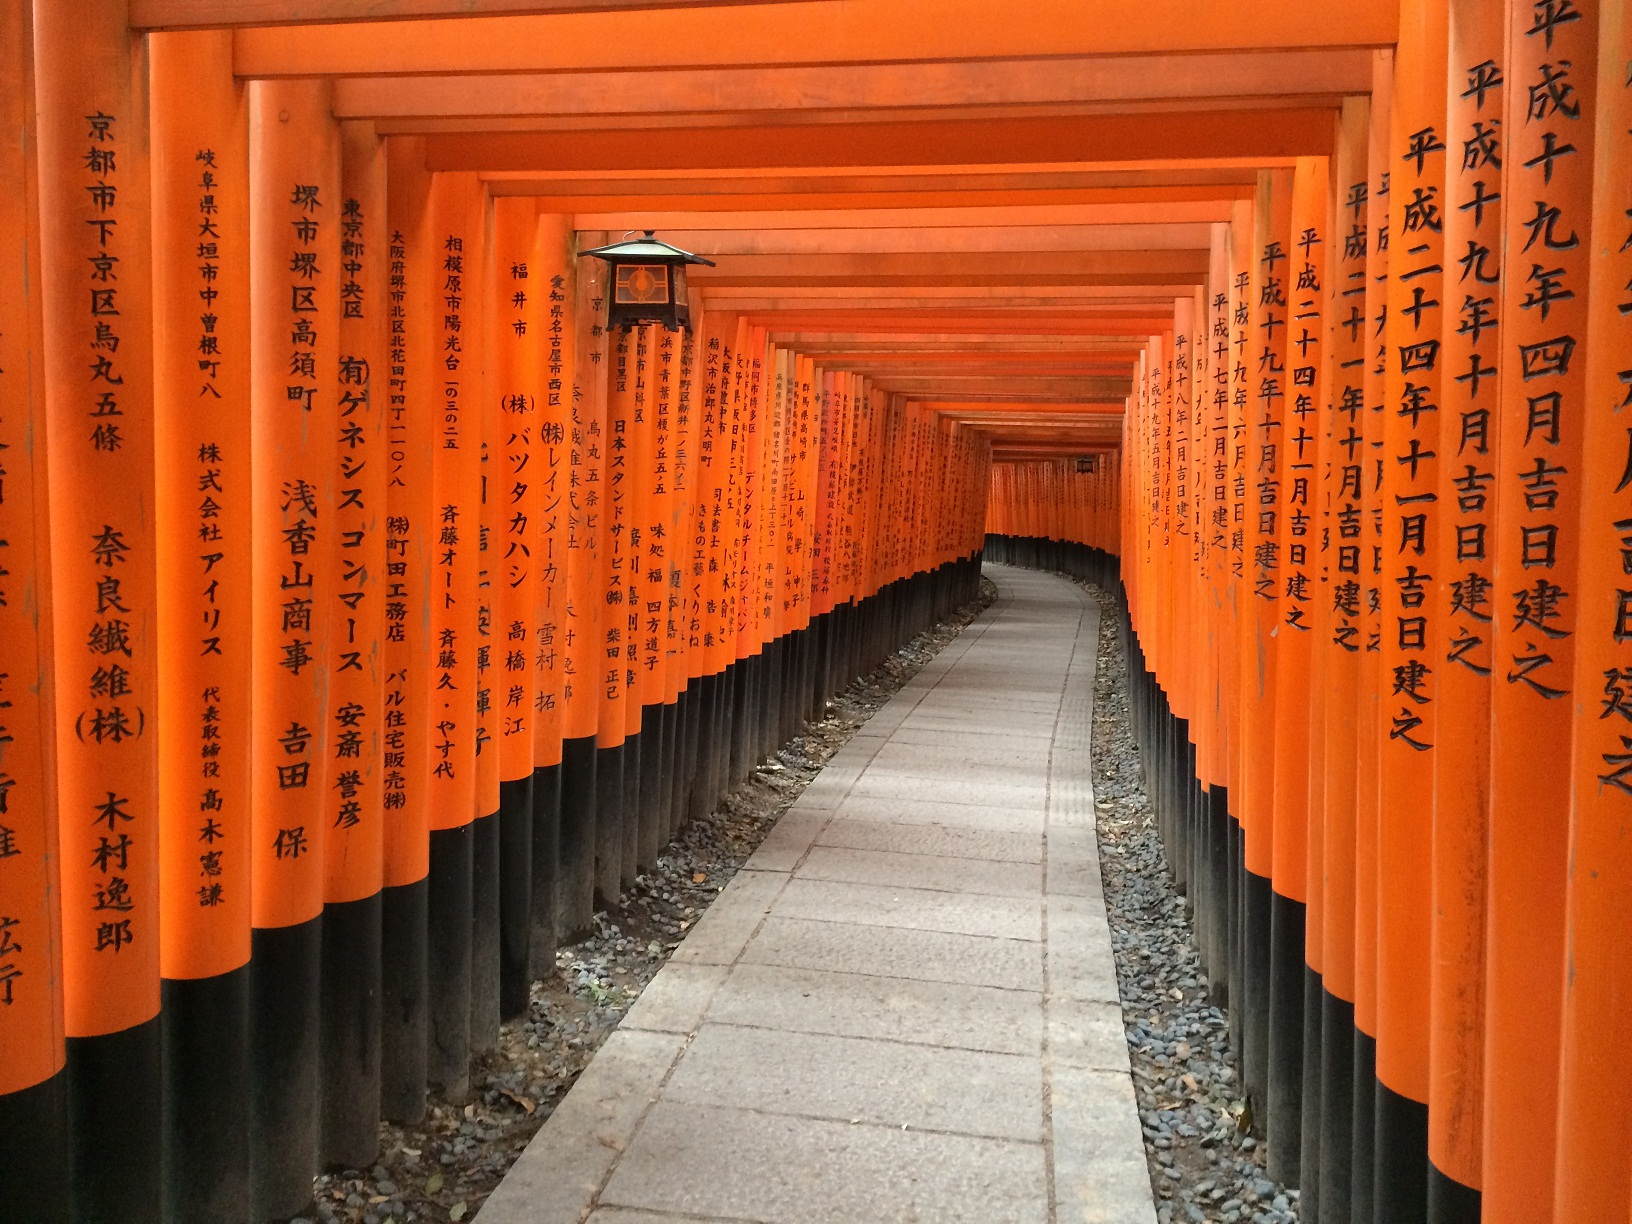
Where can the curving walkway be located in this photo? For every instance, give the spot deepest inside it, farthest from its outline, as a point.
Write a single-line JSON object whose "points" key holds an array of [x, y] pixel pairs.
{"points": [[904, 1007]]}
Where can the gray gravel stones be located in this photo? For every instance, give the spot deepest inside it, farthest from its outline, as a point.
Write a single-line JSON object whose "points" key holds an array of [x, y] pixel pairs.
{"points": [[445, 1168], [1205, 1165]]}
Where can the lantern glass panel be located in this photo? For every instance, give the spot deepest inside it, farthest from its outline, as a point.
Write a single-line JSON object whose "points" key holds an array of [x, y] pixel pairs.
{"points": [[642, 285]]}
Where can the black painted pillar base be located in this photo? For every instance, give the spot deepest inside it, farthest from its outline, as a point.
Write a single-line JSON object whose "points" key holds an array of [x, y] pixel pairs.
{"points": [[205, 1027], [609, 824], [114, 1125], [746, 714], [1363, 1171], [448, 1067], [546, 880], [1284, 1121], [699, 727], [1236, 904], [404, 1000], [349, 1135], [516, 894], [34, 1138], [1401, 1156], [725, 731], [1309, 1205], [1255, 1003], [1450, 1201], [486, 910], [1218, 894], [635, 749], [580, 765], [666, 729], [285, 989], [649, 787], [1336, 1109]]}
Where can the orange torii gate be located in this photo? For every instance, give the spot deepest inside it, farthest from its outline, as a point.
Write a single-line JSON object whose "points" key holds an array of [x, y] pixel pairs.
{"points": [[393, 469], [385, 612], [1462, 545]]}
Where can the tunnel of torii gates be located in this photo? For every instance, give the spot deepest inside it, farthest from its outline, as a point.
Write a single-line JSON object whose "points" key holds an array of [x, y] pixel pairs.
{"points": [[369, 607]]}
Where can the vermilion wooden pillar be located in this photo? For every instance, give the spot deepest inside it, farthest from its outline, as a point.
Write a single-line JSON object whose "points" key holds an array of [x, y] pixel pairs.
{"points": [[1594, 1130], [636, 488], [1413, 395], [294, 272], [1348, 331], [658, 709], [1237, 594], [658, 701], [555, 287], [354, 812], [33, 1083], [611, 808], [686, 667], [700, 582], [517, 339], [730, 449], [486, 886], [1538, 432], [1267, 489], [585, 510], [456, 242], [1302, 279], [750, 429], [409, 535], [96, 366], [1314, 951], [200, 142], [1368, 735], [1468, 459]]}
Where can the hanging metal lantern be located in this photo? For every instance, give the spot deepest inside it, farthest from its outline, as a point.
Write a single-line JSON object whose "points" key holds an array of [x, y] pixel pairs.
{"points": [[648, 282]]}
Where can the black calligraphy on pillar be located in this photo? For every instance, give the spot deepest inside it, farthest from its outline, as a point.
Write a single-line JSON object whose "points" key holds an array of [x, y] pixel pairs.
{"points": [[1418, 273], [1271, 402], [1549, 269]]}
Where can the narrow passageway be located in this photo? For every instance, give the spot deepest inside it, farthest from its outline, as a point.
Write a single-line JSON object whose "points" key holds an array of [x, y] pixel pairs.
{"points": [[904, 1008]]}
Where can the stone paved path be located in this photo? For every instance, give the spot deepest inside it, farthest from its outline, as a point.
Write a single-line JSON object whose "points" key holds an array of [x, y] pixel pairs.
{"points": [[904, 1008]]}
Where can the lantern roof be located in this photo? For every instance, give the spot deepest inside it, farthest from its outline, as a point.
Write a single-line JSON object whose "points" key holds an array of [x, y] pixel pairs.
{"points": [[646, 249]]}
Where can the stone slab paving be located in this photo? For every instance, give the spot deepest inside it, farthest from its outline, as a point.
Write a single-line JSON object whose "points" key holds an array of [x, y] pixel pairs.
{"points": [[904, 1008]]}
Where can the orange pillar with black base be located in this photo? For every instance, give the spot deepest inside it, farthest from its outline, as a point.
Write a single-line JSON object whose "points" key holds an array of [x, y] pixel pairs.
{"points": [[96, 367], [1349, 335], [1303, 283], [1595, 1128], [456, 242], [409, 405], [1538, 435], [585, 509], [554, 288], [485, 885], [202, 507], [294, 218], [1368, 734], [354, 851], [518, 296], [1267, 488], [1238, 593], [1412, 408], [611, 807], [33, 1080], [1468, 459]]}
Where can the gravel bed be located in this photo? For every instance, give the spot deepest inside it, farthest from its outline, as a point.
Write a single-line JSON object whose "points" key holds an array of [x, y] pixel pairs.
{"points": [[1205, 1163], [446, 1167]]}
